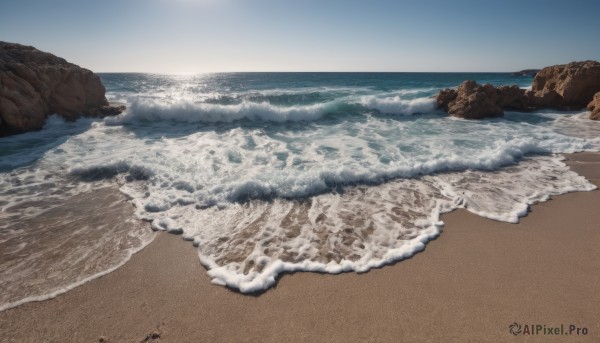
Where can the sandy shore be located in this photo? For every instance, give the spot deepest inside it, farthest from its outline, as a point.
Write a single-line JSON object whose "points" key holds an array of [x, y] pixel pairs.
{"points": [[470, 284]]}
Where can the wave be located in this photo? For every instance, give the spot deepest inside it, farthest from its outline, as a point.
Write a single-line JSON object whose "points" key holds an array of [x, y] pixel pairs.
{"points": [[170, 188], [192, 112], [325, 180], [246, 246], [141, 109], [397, 105]]}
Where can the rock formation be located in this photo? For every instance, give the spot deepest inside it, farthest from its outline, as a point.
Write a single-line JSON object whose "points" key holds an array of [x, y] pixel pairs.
{"points": [[594, 107], [567, 86], [470, 101], [474, 101], [444, 97], [35, 84], [563, 87]]}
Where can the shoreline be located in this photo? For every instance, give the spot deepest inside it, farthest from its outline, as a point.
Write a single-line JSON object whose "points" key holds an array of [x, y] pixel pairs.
{"points": [[471, 283]]}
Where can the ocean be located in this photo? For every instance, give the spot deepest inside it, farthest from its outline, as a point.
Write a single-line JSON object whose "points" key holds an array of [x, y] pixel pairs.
{"points": [[267, 173]]}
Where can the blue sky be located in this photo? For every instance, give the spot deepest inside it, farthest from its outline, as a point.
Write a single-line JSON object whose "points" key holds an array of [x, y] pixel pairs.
{"points": [[167, 36]]}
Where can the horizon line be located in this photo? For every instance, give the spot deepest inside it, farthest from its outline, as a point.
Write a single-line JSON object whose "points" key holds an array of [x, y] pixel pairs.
{"points": [[313, 72]]}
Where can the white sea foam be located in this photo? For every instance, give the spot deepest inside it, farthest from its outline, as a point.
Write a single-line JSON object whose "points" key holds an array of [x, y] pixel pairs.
{"points": [[209, 186], [398, 105], [184, 110], [245, 246], [188, 111]]}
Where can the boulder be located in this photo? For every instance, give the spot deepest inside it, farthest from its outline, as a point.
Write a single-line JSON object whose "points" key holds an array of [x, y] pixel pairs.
{"points": [[594, 107], [567, 86], [35, 84], [473, 101]]}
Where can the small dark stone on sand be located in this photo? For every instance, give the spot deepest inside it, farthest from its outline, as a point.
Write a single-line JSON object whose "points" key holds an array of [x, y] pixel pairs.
{"points": [[152, 337]]}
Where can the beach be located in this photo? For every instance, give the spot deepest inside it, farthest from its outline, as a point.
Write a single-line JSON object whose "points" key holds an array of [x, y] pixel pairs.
{"points": [[478, 277], [263, 171]]}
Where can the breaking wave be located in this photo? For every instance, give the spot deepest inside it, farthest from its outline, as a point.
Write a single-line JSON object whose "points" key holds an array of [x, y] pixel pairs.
{"points": [[192, 112]]}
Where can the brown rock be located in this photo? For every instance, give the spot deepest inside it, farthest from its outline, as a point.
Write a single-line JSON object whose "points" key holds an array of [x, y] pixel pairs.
{"points": [[547, 99], [512, 97], [594, 107], [474, 101], [35, 84], [153, 336], [567, 86], [444, 97], [109, 110]]}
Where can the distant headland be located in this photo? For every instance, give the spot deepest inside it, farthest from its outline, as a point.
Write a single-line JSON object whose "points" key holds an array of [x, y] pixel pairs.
{"points": [[526, 72]]}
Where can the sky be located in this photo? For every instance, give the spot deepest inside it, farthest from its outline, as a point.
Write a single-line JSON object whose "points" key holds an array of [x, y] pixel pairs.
{"points": [[197, 36]]}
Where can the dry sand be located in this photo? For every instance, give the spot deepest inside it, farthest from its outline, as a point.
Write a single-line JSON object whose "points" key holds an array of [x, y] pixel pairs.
{"points": [[478, 277]]}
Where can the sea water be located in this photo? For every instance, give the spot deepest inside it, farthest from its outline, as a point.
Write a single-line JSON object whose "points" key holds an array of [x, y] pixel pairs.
{"points": [[269, 172]]}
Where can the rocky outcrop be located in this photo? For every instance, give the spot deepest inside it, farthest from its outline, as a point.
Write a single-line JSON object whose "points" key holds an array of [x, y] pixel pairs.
{"points": [[444, 98], [594, 107], [567, 86], [35, 84], [512, 98], [474, 101], [564, 87]]}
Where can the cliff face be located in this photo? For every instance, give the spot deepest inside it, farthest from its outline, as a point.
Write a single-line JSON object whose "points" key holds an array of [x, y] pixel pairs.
{"points": [[35, 84], [565, 87]]}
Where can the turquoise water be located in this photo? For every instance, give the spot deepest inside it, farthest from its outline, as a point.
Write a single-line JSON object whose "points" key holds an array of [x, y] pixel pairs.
{"points": [[274, 172]]}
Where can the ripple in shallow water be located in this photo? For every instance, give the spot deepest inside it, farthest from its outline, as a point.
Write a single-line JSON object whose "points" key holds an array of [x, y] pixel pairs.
{"points": [[65, 243]]}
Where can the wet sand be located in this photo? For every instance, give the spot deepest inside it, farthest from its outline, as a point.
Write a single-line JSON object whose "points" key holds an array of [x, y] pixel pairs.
{"points": [[469, 284]]}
